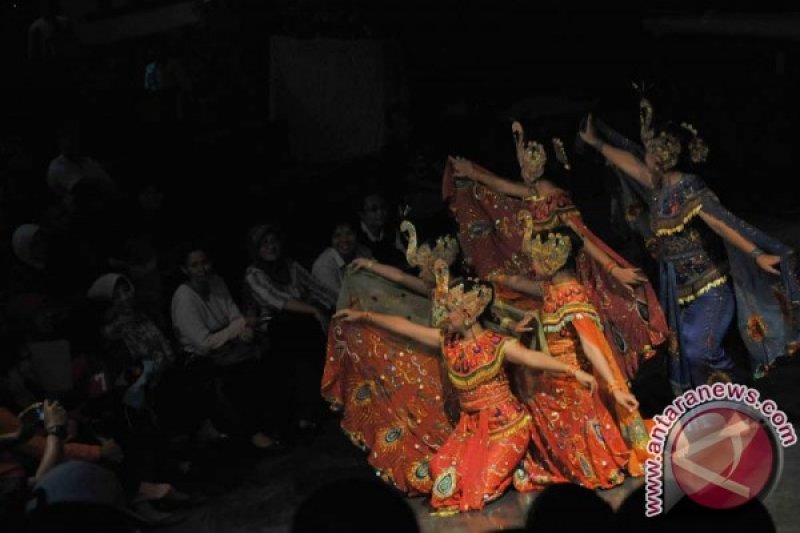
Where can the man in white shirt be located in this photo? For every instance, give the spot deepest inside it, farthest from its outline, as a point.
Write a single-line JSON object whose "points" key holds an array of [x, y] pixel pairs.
{"points": [[71, 166], [330, 265]]}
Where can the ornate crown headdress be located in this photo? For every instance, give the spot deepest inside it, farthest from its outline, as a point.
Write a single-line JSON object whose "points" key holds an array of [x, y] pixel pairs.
{"points": [[446, 248], [531, 154], [665, 147], [446, 299], [549, 256]]}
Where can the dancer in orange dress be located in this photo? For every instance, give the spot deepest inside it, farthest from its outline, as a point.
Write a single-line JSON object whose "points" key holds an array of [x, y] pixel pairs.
{"points": [[392, 392], [488, 450], [594, 439], [486, 207]]}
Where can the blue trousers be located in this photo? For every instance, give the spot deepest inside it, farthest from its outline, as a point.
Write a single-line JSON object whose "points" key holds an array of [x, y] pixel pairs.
{"points": [[704, 323]]}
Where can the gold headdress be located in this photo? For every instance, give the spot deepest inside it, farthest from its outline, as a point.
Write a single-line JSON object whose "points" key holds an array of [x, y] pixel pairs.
{"points": [[646, 120], [698, 150], [548, 256], [561, 153], [531, 155], [447, 299], [446, 248], [666, 147]]}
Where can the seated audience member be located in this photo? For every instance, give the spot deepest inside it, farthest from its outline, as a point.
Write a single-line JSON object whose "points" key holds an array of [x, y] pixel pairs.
{"points": [[15, 479], [147, 351], [330, 265], [219, 344], [85, 498], [355, 506], [28, 274], [71, 166], [294, 308], [377, 233]]}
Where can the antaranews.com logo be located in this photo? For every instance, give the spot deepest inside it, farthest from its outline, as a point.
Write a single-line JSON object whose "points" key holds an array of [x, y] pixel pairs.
{"points": [[717, 444]]}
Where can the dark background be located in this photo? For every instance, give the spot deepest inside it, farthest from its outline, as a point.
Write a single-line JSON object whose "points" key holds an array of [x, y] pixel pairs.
{"points": [[460, 71]]}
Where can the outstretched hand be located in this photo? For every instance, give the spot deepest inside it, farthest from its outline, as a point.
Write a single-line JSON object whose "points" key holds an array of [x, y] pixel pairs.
{"points": [[588, 133], [361, 263], [626, 400], [630, 277], [462, 168], [523, 326], [768, 263], [587, 380], [349, 315]]}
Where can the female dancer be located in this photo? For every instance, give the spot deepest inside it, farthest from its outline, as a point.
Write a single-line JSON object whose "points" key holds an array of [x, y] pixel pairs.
{"points": [[592, 439], [687, 227], [481, 458], [392, 393], [486, 208]]}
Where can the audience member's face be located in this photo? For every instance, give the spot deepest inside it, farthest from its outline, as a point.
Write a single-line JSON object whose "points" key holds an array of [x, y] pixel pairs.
{"points": [[344, 240], [123, 294], [374, 213], [198, 267], [270, 249]]}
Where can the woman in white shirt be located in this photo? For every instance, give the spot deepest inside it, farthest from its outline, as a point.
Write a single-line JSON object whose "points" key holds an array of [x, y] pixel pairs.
{"points": [[219, 344]]}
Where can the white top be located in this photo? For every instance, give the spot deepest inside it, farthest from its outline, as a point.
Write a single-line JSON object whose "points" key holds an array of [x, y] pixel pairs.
{"points": [[202, 325], [329, 267], [63, 173]]}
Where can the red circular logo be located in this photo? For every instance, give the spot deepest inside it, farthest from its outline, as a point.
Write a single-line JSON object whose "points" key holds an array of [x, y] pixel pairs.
{"points": [[722, 458]]}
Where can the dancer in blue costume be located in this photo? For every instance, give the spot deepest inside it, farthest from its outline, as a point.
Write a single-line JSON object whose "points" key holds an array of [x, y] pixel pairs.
{"points": [[712, 264]]}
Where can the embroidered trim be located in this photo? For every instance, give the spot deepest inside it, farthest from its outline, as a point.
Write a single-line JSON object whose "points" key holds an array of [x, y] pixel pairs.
{"points": [[700, 292], [515, 426], [555, 322], [661, 232], [482, 373]]}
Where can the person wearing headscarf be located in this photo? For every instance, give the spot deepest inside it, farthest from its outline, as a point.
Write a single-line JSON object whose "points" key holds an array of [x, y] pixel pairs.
{"points": [[148, 350], [28, 274], [292, 309]]}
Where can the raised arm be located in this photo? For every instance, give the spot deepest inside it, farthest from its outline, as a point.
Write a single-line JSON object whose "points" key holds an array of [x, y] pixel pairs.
{"points": [[394, 274], [430, 337], [595, 355], [516, 353], [520, 284], [55, 420], [625, 161], [630, 277], [766, 261], [462, 168]]}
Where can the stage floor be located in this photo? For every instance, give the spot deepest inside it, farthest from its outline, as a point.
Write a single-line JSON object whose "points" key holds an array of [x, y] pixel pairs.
{"points": [[252, 495]]}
